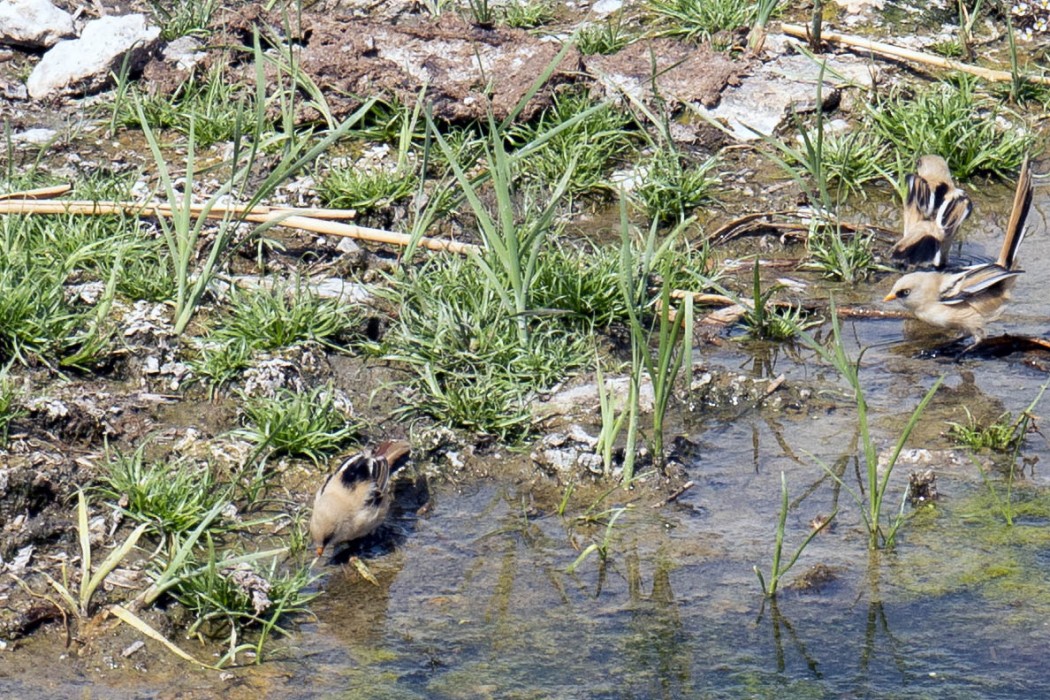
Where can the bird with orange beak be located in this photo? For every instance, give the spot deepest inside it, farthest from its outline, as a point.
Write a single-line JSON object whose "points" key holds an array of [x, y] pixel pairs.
{"points": [[968, 298]]}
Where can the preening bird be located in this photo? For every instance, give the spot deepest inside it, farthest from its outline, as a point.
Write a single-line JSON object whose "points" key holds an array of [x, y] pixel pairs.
{"points": [[968, 298], [355, 498], [934, 209]]}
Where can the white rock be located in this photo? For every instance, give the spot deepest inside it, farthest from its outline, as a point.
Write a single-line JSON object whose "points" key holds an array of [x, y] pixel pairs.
{"points": [[35, 23], [185, 52], [583, 400], [20, 562], [326, 288], [603, 8], [35, 137], [338, 288], [85, 63], [764, 99], [857, 7], [348, 246]]}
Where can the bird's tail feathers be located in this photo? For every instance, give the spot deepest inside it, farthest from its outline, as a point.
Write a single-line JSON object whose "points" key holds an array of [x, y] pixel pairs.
{"points": [[1018, 217], [919, 195], [395, 452], [953, 213]]}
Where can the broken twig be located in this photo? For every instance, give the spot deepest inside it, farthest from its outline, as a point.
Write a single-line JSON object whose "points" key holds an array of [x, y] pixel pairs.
{"points": [[676, 495], [764, 220]]}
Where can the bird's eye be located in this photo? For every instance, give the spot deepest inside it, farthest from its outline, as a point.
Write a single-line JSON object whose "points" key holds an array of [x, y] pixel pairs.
{"points": [[903, 293]]}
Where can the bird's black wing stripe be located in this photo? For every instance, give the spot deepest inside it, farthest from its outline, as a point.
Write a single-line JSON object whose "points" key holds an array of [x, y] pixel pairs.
{"points": [[924, 251], [355, 469]]}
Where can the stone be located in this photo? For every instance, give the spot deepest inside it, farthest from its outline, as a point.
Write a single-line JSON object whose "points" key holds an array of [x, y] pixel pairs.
{"points": [[326, 287], [583, 401], [763, 100], [185, 52], [568, 455], [856, 9], [34, 23], [34, 137], [82, 65], [603, 8]]}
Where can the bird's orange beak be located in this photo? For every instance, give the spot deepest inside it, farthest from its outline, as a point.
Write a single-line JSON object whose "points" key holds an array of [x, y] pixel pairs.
{"points": [[890, 297]]}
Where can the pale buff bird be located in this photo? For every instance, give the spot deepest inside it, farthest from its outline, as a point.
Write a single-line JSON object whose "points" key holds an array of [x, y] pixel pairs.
{"points": [[354, 500], [969, 298], [934, 209]]}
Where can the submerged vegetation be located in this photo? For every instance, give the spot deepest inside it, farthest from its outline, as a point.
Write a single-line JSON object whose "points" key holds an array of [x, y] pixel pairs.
{"points": [[570, 242]]}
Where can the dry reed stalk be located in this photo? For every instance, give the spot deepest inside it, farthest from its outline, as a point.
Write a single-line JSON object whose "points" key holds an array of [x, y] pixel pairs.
{"points": [[998, 76], [284, 217], [38, 193]]}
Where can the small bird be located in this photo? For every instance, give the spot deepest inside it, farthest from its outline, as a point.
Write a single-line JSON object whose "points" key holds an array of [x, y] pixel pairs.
{"points": [[968, 298], [934, 209], [355, 498]]}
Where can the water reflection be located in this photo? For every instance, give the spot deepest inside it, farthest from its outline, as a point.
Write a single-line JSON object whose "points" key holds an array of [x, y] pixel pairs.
{"points": [[780, 625], [656, 645], [877, 626]]}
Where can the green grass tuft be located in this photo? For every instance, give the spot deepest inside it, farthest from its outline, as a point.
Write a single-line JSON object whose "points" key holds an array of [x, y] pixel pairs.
{"points": [[173, 496], [580, 282], [594, 143], [527, 14], [351, 187], [471, 367], [702, 19], [219, 364], [1002, 435], [604, 37], [313, 424], [215, 104], [178, 18], [840, 256], [281, 316], [672, 189], [975, 134]]}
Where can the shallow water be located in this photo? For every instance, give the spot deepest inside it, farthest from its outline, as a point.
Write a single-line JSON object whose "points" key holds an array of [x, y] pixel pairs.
{"points": [[476, 600], [482, 606]]}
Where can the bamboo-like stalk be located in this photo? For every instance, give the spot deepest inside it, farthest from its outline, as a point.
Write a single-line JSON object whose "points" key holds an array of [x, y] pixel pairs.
{"points": [[998, 76], [40, 192], [705, 299], [336, 228], [326, 214], [47, 193], [260, 215]]}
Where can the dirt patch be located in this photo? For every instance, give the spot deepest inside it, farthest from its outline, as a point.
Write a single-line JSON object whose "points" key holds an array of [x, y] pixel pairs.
{"points": [[684, 73], [465, 68]]}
